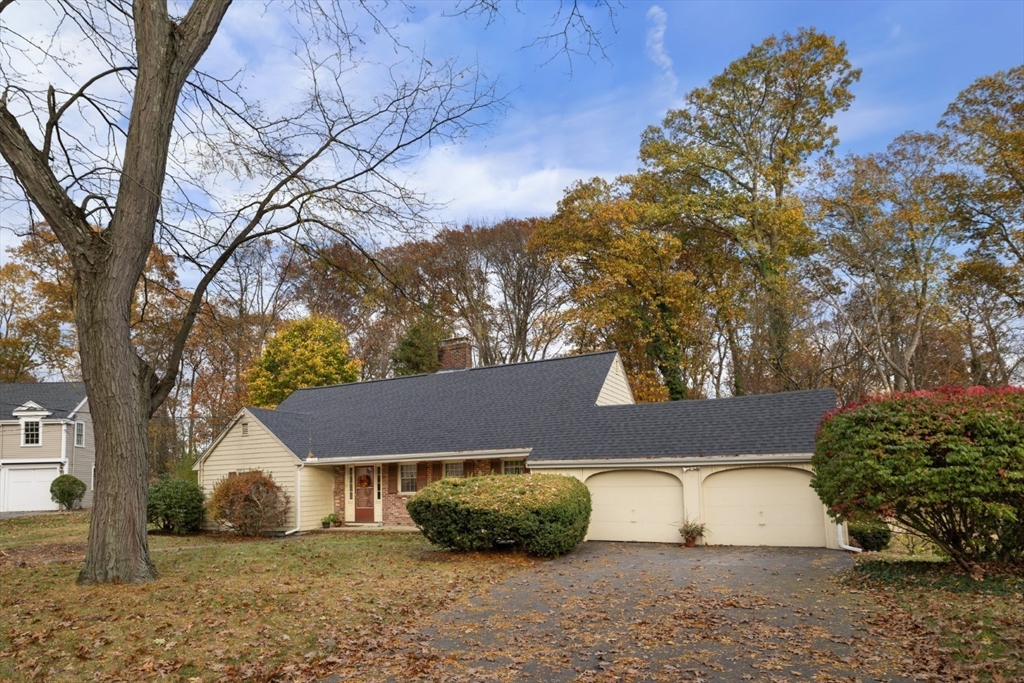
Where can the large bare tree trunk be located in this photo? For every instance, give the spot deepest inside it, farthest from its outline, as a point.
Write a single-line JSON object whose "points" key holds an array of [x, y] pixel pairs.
{"points": [[119, 386]]}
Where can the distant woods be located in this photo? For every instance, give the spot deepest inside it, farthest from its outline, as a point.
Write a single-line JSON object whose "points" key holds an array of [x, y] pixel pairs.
{"points": [[743, 256]]}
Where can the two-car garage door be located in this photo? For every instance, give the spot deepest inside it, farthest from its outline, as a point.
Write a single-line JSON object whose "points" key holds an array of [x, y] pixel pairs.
{"points": [[747, 506], [27, 489]]}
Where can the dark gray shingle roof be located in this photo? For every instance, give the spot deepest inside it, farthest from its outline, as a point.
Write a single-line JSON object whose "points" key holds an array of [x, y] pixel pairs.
{"points": [[548, 406], [60, 398], [495, 407], [747, 425]]}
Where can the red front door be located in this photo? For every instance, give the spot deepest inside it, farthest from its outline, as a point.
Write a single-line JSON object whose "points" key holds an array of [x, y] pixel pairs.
{"points": [[364, 494]]}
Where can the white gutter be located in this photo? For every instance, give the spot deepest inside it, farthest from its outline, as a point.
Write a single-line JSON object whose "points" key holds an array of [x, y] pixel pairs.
{"points": [[298, 500], [669, 462], [839, 536], [417, 457]]}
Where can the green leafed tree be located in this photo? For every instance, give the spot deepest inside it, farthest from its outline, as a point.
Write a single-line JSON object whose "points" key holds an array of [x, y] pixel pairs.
{"points": [[730, 160], [417, 351], [312, 352]]}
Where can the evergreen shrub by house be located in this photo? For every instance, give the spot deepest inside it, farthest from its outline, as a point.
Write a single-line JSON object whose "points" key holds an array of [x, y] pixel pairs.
{"points": [[67, 491], [872, 535], [249, 503], [544, 514], [175, 505], [948, 464]]}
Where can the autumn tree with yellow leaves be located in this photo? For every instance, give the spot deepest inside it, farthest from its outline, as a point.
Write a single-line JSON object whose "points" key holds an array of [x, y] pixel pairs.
{"points": [[311, 352]]}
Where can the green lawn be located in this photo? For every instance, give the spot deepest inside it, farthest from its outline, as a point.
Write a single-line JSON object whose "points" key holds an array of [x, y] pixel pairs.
{"points": [[221, 609]]}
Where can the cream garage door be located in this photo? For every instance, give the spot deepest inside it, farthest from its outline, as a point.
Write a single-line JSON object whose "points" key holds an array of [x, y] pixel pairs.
{"points": [[763, 506], [635, 505], [28, 488]]}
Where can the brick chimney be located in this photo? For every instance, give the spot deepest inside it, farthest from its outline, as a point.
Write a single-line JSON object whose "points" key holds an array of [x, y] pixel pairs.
{"points": [[455, 354]]}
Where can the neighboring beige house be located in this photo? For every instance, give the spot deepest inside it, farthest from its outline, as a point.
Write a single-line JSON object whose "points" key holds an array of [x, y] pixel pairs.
{"points": [[741, 465], [45, 431]]}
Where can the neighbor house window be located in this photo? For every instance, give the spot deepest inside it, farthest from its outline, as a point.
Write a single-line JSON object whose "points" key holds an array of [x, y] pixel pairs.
{"points": [[378, 482], [30, 433], [513, 467], [80, 434], [351, 484], [407, 479], [453, 469]]}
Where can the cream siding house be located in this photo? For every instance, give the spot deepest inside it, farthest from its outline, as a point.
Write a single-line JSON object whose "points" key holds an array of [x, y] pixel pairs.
{"points": [[45, 430], [361, 450]]}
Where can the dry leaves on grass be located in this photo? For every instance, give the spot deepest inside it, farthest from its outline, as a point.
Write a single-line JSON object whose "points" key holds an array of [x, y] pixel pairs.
{"points": [[255, 611]]}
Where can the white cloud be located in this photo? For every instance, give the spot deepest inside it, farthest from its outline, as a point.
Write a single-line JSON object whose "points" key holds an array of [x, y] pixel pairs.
{"points": [[491, 185], [656, 50]]}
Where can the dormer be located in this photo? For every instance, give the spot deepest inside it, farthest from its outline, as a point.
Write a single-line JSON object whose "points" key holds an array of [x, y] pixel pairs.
{"points": [[30, 414]]}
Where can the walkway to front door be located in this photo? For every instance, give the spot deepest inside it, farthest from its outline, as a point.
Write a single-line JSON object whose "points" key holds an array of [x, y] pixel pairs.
{"points": [[364, 494]]}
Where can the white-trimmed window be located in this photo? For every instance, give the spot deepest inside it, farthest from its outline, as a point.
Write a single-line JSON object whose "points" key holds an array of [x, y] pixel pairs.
{"points": [[31, 433], [453, 469], [513, 467], [407, 478], [80, 434]]}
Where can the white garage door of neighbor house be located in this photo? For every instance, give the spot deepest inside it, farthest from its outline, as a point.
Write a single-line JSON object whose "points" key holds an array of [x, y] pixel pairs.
{"points": [[763, 506], [635, 505], [28, 489]]}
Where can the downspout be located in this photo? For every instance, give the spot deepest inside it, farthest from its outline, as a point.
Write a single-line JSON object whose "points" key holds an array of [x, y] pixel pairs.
{"points": [[63, 447], [843, 546], [298, 500]]}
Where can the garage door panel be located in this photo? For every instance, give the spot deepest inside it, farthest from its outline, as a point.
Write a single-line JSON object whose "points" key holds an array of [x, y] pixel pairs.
{"points": [[763, 506], [635, 506], [27, 489]]}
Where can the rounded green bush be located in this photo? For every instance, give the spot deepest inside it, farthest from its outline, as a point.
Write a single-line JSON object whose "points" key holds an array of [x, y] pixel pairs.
{"points": [[175, 505], [948, 464], [67, 491], [874, 535], [544, 514]]}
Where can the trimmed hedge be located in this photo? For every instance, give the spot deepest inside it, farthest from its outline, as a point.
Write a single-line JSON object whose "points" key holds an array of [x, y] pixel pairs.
{"points": [[874, 535], [175, 505], [543, 514], [67, 491], [948, 464]]}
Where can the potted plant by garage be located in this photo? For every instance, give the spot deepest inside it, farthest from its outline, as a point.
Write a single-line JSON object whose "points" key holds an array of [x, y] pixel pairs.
{"points": [[691, 531], [328, 520]]}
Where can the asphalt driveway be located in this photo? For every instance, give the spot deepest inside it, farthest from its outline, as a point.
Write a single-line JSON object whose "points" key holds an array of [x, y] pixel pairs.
{"points": [[633, 611]]}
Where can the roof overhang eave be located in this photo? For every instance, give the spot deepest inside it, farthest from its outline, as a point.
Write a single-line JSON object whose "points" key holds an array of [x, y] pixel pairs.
{"points": [[313, 461], [739, 459]]}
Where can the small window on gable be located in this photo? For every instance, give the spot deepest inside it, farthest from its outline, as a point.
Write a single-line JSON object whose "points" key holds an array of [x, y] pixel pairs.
{"points": [[453, 469], [80, 434], [30, 433], [513, 467], [245, 429], [407, 478]]}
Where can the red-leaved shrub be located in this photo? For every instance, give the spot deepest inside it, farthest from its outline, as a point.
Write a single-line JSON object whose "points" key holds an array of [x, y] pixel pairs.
{"points": [[249, 503], [947, 463]]}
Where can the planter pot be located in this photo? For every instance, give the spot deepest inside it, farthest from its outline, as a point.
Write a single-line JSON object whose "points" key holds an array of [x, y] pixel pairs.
{"points": [[691, 542], [327, 525]]}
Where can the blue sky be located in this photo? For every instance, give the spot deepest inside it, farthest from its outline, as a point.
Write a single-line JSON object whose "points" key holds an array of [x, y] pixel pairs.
{"points": [[915, 56]]}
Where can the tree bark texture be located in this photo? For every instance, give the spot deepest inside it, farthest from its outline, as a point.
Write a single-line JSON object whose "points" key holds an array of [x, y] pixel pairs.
{"points": [[119, 387]]}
